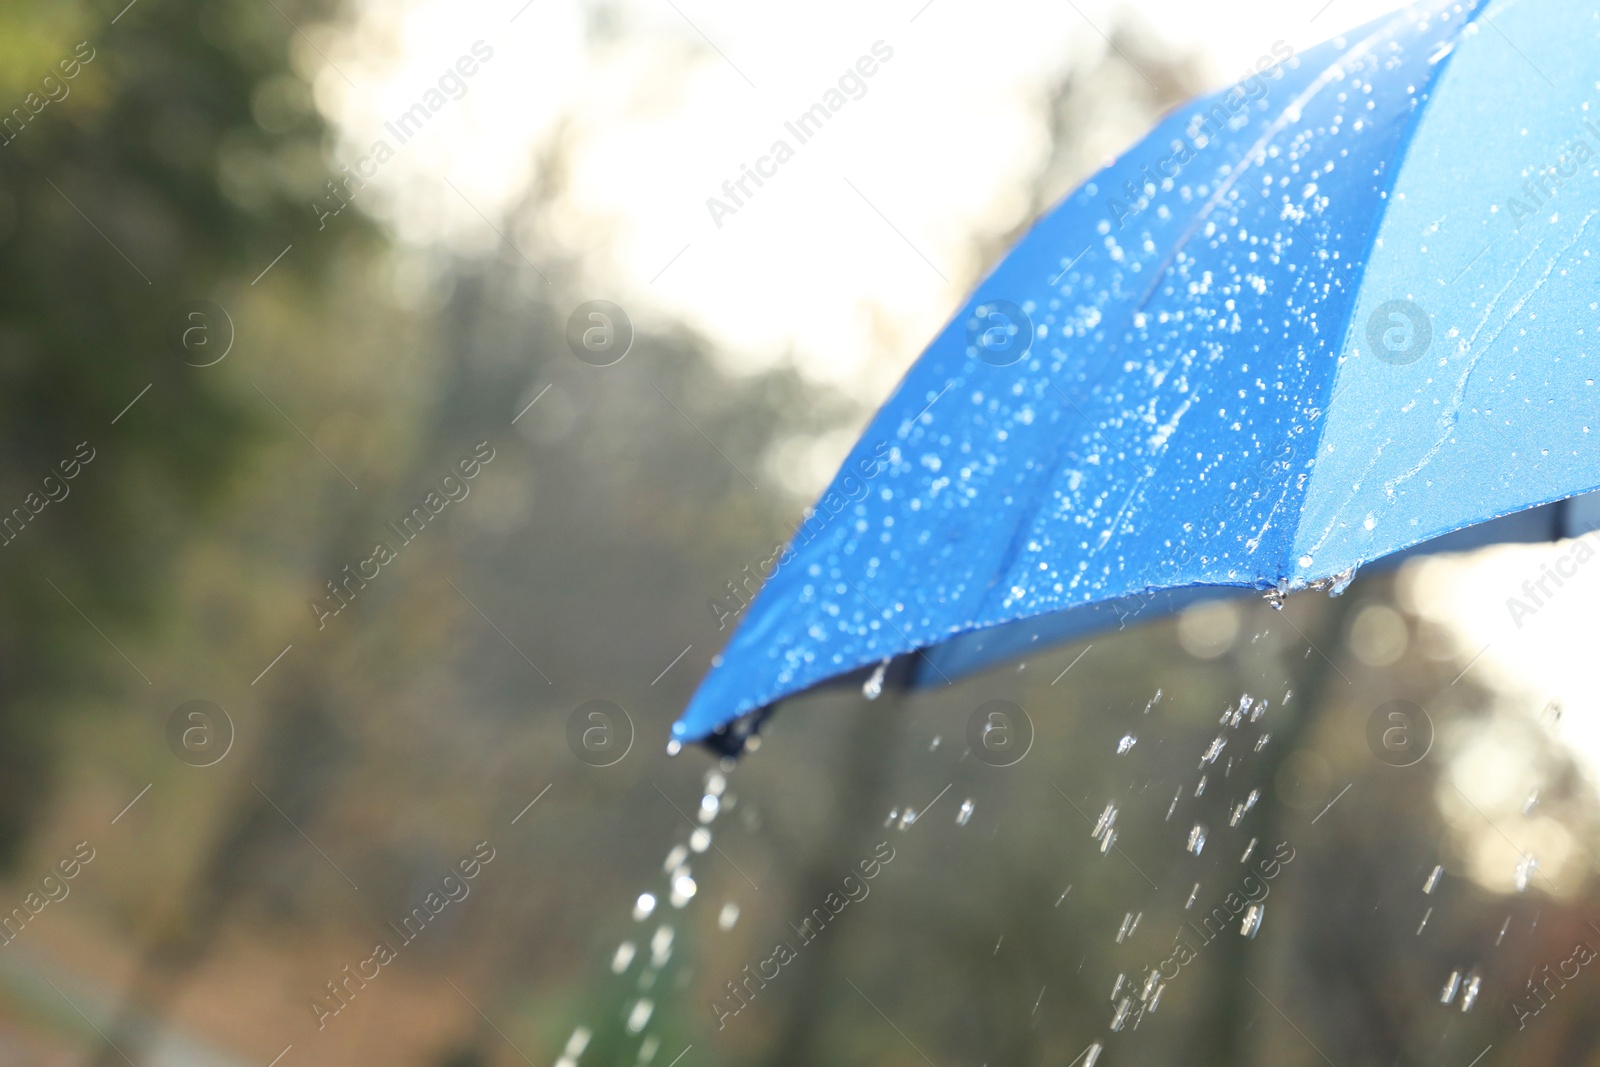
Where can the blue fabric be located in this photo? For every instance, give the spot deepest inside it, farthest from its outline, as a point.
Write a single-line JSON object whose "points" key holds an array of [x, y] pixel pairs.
{"points": [[1238, 358]]}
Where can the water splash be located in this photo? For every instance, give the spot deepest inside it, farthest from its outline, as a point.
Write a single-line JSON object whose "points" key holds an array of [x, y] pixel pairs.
{"points": [[1125, 745]]}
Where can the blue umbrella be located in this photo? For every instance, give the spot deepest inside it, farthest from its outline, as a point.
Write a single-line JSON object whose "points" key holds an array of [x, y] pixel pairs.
{"points": [[1342, 311]]}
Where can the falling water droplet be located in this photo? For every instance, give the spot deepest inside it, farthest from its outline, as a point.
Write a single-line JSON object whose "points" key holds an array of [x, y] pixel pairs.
{"points": [[716, 784], [1197, 839], [622, 957], [1108, 841], [660, 946], [894, 813], [710, 804], [1126, 744], [1525, 872], [1200, 786], [1433, 879], [728, 916], [1261, 742], [1192, 894], [576, 1044], [1251, 847], [872, 688], [1107, 819], [1503, 928], [683, 890], [644, 906], [674, 747], [1153, 702], [700, 840], [907, 817], [1532, 801], [1121, 1017], [1130, 923], [1174, 805], [1094, 1054], [1469, 993], [1425, 917], [640, 1015], [933, 746], [1252, 920], [1213, 750], [1063, 896], [965, 814], [675, 859], [1448, 994]]}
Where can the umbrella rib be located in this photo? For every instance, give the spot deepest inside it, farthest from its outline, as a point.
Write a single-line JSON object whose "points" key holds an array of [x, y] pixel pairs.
{"points": [[902, 633]]}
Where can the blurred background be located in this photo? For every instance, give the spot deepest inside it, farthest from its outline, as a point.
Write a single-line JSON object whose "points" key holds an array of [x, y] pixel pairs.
{"points": [[278, 275]]}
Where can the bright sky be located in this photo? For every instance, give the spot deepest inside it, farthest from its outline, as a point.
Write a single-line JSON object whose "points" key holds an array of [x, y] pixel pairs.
{"points": [[684, 92], [850, 257]]}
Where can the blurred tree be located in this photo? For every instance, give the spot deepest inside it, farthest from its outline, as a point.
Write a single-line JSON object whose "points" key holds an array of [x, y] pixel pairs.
{"points": [[152, 160]]}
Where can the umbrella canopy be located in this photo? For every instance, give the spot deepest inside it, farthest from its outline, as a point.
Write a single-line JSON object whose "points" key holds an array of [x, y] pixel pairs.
{"points": [[1342, 310]]}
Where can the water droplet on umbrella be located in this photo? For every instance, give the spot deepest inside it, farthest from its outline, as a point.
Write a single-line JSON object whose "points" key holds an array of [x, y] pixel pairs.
{"points": [[644, 906], [683, 889], [1433, 879], [675, 859], [622, 957], [728, 916], [700, 840], [709, 805], [965, 814], [1197, 839], [1252, 920], [674, 747]]}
